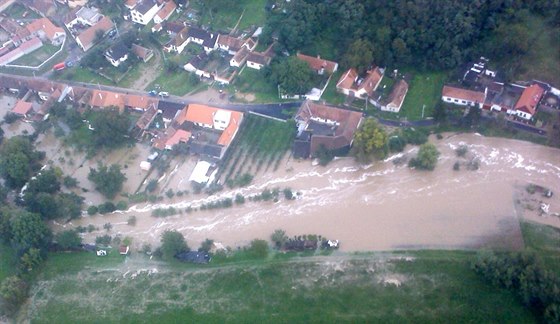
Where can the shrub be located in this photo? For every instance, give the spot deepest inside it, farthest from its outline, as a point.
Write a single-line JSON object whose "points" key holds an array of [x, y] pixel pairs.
{"points": [[103, 240], [131, 220], [462, 150], [92, 210], [288, 194], [258, 249], [152, 185], [91, 228], [239, 199], [164, 212], [107, 207], [107, 226], [70, 182], [121, 205], [10, 117], [169, 193], [457, 166]]}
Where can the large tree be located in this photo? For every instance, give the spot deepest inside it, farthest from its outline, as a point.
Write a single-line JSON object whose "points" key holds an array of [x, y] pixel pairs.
{"points": [[68, 239], [359, 55], [18, 161], [370, 141], [292, 75], [427, 157], [13, 291], [28, 231], [172, 243], [110, 128], [108, 181]]}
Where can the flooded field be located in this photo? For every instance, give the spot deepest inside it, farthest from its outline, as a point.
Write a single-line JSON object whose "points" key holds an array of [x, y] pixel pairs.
{"points": [[377, 207]]}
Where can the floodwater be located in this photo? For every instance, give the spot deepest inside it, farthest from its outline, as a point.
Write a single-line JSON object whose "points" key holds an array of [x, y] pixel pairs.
{"points": [[377, 207]]}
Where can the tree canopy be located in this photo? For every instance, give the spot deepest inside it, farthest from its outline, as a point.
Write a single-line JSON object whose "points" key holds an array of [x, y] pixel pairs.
{"points": [[110, 128], [18, 161], [68, 239], [370, 141], [108, 180], [28, 231], [172, 243], [292, 75], [427, 157]]}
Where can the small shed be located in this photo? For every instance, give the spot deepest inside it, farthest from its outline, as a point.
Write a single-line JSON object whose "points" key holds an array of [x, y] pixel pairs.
{"points": [[200, 172], [123, 249]]}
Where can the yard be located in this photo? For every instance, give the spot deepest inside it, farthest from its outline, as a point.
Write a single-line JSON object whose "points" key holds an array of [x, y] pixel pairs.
{"points": [[226, 17], [38, 56], [177, 83], [424, 91], [7, 262], [252, 84], [260, 145], [80, 74], [16, 11]]}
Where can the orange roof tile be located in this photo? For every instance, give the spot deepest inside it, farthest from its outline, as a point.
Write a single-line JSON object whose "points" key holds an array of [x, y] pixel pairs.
{"points": [[464, 94], [138, 101], [46, 25], [22, 107], [530, 99], [104, 99], [317, 63], [200, 114], [87, 37], [347, 80], [396, 97], [167, 10], [178, 137], [370, 83], [230, 131]]}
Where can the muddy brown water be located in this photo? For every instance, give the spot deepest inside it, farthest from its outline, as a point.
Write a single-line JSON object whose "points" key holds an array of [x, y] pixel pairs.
{"points": [[376, 207]]}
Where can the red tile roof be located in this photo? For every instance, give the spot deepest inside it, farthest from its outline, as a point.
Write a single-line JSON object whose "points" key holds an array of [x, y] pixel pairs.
{"points": [[530, 99], [317, 63], [87, 37], [138, 101], [396, 97], [22, 107], [205, 115], [178, 137], [347, 80], [464, 94], [45, 25], [105, 99], [230, 131], [167, 10], [371, 81]]}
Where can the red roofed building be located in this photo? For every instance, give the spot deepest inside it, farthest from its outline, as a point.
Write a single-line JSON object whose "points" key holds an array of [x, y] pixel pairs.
{"points": [[318, 64], [165, 12], [86, 39], [463, 97], [45, 29], [351, 85], [105, 99], [526, 106], [22, 108]]}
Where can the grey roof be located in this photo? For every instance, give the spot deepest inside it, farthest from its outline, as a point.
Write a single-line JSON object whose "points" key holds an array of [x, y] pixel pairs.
{"points": [[199, 61], [144, 6], [199, 33], [194, 257], [117, 51], [206, 149], [169, 109]]}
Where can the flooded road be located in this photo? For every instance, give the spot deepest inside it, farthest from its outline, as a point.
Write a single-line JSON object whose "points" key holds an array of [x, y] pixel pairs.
{"points": [[377, 207]]}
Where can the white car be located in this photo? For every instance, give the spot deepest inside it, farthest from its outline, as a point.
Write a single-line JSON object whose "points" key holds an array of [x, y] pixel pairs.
{"points": [[101, 253], [164, 94]]}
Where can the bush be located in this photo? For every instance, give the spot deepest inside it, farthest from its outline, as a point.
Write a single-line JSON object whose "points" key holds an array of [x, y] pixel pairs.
{"points": [[169, 193], [107, 207], [396, 143], [239, 199], [104, 240], [68, 239], [92, 210], [462, 150], [426, 158], [324, 155], [107, 226], [10, 118], [456, 166], [131, 220], [258, 249], [164, 212], [172, 243], [91, 228], [206, 246], [122, 205], [70, 182], [288, 194]]}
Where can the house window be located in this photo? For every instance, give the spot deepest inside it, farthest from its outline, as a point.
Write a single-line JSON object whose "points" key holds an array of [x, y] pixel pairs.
{"points": [[456, 100], [463, 102]]}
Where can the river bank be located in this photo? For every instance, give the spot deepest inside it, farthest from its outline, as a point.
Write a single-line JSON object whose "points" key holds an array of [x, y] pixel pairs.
{"points": [[383, 206]]}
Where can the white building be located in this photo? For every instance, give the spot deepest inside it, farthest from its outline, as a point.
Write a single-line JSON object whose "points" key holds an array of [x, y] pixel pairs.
{"points": [[145, 11], [463, 97]]}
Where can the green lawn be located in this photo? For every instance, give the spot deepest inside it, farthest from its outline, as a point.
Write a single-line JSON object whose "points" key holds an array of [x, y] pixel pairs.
{"points": [[225, 18], [177, 83], [38, 56], [424, 89], [438, 286], [331, 95], [254, 82], [17, 10], [7, 262], [81, 75], [544, 240]]}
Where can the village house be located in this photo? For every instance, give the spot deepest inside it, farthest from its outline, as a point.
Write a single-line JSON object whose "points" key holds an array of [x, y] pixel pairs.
{"points": [[165, 12], [169, 111], [85, 16], [319, 65], [23, 108], [139, 102], [232, 45], [87, 38], [106, 99], [144, 11], [239, 59], [144, 54], [196, 65], [526, 106], [257, 61], [502, 97], [46, 30], [170, 138], [192, 34], [73, 3], [319, 125], [116, 54], [352, 85], [463, 97], [396, 97]]}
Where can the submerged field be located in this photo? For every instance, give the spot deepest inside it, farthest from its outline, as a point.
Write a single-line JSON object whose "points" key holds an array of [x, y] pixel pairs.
{"points": [[417, 286]]}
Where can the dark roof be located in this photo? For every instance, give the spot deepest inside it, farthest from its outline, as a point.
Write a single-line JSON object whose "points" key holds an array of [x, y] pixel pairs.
{"points": [[258, 58], [210, 41], [173, 27], [194, 257], [206, 149], [301, 149], [199, 61], [117, 51], [144, 6], [199, 33]]}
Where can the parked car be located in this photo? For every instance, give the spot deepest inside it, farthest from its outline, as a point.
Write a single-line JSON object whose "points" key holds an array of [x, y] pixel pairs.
{"points": [[153, 93], [164, 94]]}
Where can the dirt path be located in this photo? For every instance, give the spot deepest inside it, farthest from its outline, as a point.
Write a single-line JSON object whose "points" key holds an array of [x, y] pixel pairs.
{"points": [[150, 70]]}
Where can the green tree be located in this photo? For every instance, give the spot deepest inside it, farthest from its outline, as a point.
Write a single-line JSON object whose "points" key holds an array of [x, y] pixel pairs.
{"points": [[279, 237], [292, 75], [18, 161], [13, 292], [359, 56], [31, 259], [108, 181], [206, 246], [46, 181], [258, 249], [110, 128], [28, 231], [369, 141], [172, 243], [427, 157], [69, 239]]}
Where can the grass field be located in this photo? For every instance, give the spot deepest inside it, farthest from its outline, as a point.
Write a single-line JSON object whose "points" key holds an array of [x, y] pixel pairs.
{"points": [[38, 56], [254, 82], [7, 262], [261, 143], [177, 83], [424, 89], [226, 18], [81, 75], [437, 286]]}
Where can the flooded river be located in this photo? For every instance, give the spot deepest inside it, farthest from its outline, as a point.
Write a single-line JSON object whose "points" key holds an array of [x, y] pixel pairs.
{"points": [[376, 207]]}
